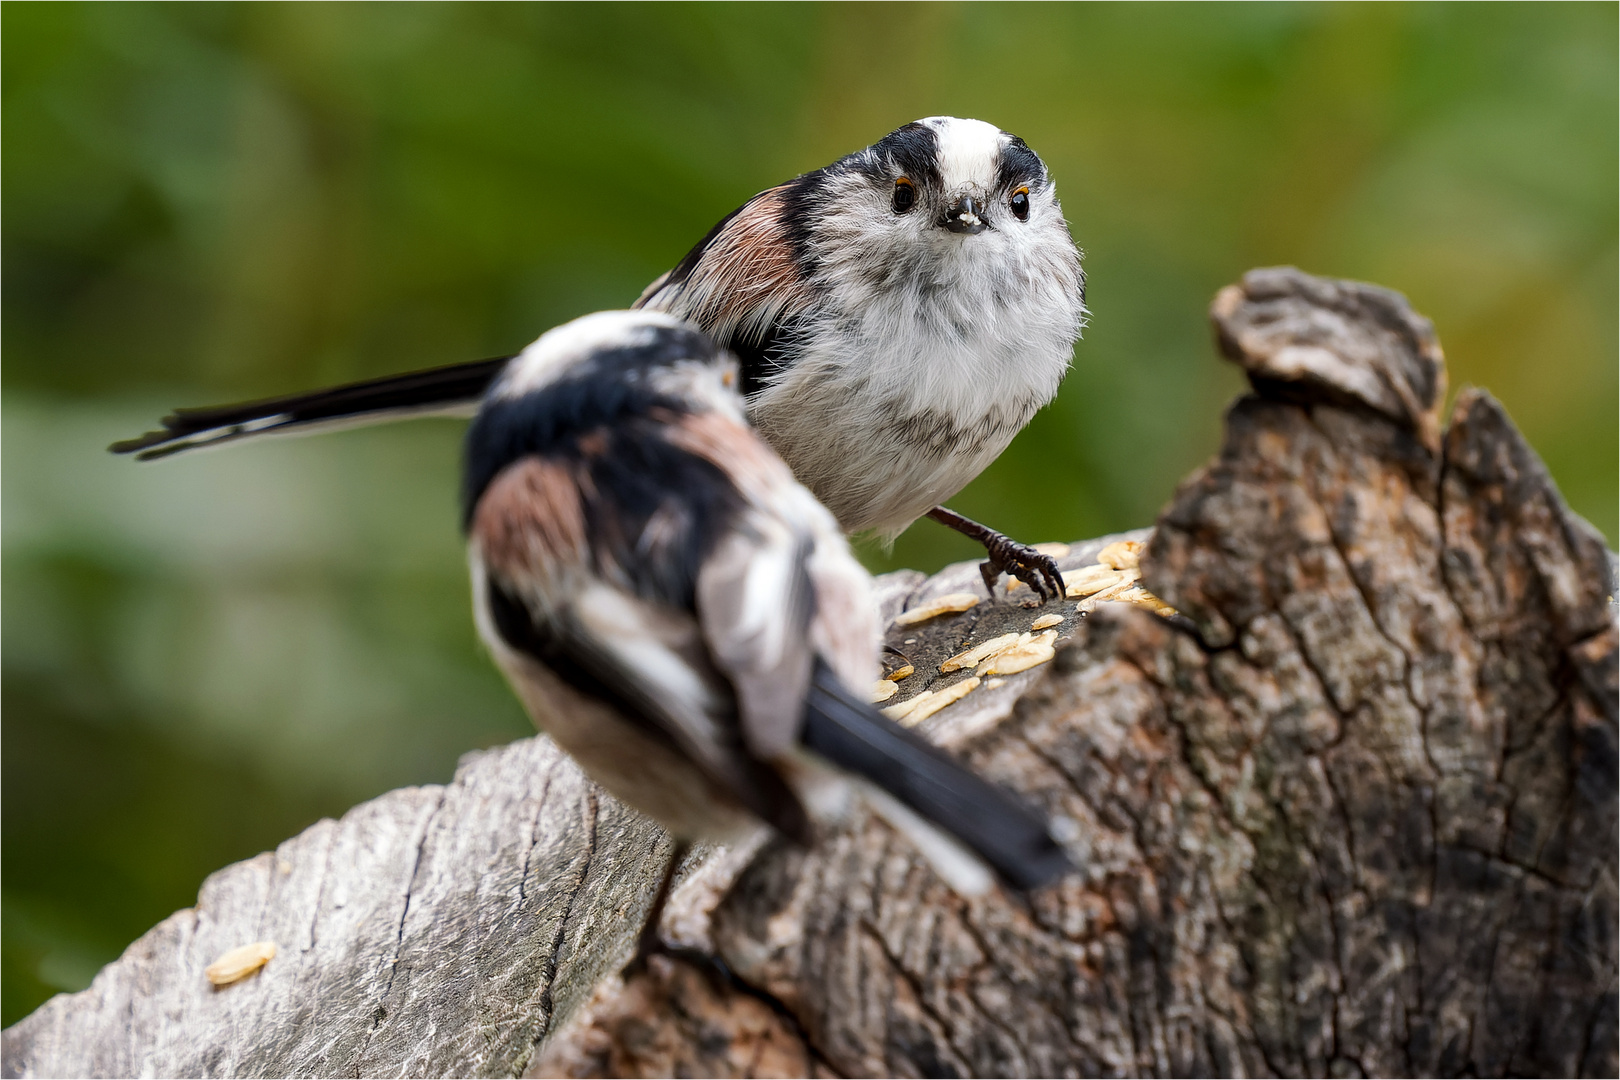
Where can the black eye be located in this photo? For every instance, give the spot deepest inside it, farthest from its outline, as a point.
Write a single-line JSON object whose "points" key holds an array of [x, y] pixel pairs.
{"points": [[905, 196], [1020, 204]]}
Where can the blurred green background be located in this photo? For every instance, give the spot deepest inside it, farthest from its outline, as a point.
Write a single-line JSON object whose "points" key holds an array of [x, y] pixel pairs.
{"points": [[204, 203]]}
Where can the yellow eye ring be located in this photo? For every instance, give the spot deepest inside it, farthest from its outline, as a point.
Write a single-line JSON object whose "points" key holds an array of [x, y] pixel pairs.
{"points": [[905, 195], [1020, 204]]}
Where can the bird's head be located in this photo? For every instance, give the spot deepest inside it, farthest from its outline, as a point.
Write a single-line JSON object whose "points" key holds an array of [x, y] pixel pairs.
{"points": [[947, 186], [628, 353], [596, 374]]}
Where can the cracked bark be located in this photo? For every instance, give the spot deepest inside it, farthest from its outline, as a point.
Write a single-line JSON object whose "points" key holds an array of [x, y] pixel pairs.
{"points": [[1355, 814]]}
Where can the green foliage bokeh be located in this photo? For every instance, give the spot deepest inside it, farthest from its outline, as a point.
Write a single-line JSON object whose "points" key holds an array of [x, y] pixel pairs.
{"points": [[210, 202]]}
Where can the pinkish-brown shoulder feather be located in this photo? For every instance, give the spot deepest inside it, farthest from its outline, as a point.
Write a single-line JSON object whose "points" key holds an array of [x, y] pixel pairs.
{"points": [[745, 277], [530, 520]]}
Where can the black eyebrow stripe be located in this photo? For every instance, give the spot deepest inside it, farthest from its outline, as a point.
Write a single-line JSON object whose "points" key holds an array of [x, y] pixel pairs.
{"points": [[1019, 165], [912, 151]]}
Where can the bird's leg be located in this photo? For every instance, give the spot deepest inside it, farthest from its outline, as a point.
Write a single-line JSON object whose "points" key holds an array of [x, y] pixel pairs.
{"points": [[1007, 556], [649, 942]]}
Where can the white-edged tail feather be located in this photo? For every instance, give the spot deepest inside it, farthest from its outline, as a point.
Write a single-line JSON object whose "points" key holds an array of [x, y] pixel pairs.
{"points": [[446, 391], [995, 825]]}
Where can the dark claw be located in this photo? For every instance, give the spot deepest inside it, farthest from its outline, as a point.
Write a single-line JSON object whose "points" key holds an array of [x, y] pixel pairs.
{"points": [[990, 572], [1007, 556]]}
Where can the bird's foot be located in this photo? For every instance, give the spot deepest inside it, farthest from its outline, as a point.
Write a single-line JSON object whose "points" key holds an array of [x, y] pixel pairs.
{"points": [[1037, 570], [1007, 556]]}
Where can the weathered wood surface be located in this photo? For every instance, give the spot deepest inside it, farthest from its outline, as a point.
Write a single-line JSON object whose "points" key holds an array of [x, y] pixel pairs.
{"points": [[1355, 814]]}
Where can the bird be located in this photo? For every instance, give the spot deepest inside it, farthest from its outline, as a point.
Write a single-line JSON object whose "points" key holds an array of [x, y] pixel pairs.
{"points": [[898, 316], [686, 620]]}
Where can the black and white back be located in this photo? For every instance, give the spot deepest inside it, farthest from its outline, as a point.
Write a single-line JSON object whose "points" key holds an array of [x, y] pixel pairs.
{"points": [[684, 617]]}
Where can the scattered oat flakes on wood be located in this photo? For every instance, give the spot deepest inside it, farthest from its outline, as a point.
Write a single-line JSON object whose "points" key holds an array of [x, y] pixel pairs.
{"points": [[1030, 651], [926, 704], [1089, 579], [882, 690], [900, 710], [979, 652], [938, 699], [1112, 592], [904, 671], [240, 962], [1002, 646], [1021, 658], [949, 604], [1045, 621], [1121, 554], [1053, 550], [1142, 598]]}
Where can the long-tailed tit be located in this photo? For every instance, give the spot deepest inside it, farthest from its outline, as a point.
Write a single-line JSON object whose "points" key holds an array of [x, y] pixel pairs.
{"points": [[684, 617], [899, 316]]}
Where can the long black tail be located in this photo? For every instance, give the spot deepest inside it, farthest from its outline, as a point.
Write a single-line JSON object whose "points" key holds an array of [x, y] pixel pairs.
{"points": [[436, 391], [1004, 832]]}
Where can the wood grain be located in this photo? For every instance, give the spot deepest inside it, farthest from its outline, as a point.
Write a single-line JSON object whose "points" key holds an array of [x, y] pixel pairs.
{"points": [[1352, 813]]}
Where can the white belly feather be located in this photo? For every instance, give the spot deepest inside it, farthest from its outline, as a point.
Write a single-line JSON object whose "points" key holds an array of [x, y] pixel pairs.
{"points": [[885, 416]]}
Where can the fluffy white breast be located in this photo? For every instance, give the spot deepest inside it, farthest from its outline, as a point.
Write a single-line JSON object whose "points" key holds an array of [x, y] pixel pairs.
{"points": [[901, 399], [926, 351]]}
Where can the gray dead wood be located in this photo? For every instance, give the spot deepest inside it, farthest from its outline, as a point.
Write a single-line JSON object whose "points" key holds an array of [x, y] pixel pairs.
{"points": [[1354, 812]]}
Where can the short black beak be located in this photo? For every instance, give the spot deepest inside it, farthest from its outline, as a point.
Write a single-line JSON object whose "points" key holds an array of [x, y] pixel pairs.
{"points": [[963, 217]]}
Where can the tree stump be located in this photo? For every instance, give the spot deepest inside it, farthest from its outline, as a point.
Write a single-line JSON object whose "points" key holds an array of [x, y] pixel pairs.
{"points": [[1352, 811]]}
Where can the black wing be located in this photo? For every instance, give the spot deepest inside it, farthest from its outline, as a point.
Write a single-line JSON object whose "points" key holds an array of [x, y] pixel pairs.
{"points": [[1004, 832], [763, 354], [582, 662], [436, 391]]}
